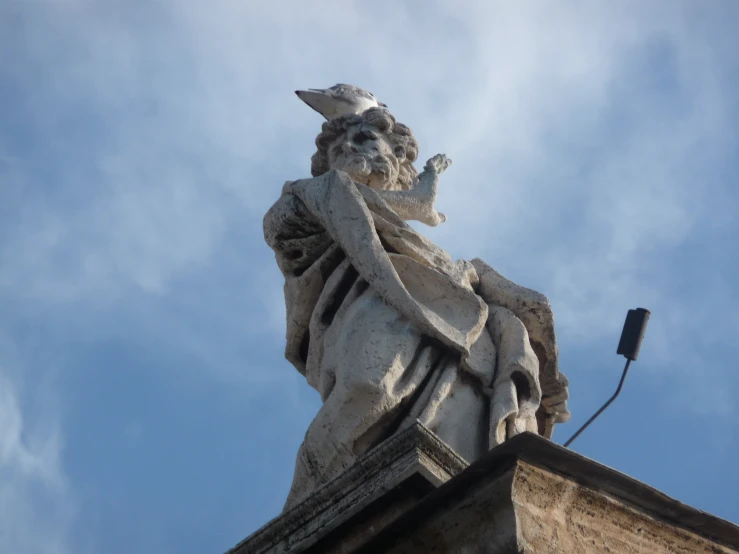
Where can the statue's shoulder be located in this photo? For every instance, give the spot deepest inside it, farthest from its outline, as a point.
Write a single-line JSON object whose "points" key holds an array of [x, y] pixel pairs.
{"points": [[288, 218]]}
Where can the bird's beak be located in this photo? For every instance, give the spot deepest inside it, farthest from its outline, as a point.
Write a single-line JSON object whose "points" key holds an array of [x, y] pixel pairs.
{"points": [[382, 105]]}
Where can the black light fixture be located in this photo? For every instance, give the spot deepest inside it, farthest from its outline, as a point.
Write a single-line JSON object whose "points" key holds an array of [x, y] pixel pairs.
{"points": [[631, 338]]}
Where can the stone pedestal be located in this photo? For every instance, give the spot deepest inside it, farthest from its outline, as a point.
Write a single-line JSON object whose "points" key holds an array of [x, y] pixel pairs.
{"points": [[350, 510], [412, 494]]}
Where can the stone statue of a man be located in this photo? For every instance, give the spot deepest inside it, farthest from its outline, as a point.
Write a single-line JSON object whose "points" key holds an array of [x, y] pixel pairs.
{"points": [[385, 325]]}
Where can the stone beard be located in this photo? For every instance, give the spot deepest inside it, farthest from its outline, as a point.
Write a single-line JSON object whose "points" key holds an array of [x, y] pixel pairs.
{"points": [[385, 325]]}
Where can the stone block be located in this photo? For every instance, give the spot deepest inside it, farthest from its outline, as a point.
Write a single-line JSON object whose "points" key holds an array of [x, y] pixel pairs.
{"points": [[340, 516]]}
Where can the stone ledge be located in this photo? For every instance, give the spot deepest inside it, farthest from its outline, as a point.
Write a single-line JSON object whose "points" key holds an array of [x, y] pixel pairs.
{"points": [[379, 487], [413, 495], [530, 496]]}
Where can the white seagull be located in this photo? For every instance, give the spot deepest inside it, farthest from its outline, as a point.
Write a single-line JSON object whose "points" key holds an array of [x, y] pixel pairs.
{"points": [[339, 100]]}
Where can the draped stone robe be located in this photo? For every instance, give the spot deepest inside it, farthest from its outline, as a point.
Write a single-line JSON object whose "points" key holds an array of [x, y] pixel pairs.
{"points": [[390, 330]]}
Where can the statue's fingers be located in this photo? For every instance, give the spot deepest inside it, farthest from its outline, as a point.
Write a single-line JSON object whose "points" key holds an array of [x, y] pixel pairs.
{"points": [[437, 158]]}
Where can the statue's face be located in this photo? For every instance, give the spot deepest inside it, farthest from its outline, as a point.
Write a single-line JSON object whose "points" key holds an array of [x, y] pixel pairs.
{"points": [[367, 156]]}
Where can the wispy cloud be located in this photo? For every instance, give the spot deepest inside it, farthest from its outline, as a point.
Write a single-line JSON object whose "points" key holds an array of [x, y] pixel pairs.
{"points": [[36, 508]]}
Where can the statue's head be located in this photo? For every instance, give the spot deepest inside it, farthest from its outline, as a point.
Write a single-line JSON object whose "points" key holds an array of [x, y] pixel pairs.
{"points": [[372, 148]]}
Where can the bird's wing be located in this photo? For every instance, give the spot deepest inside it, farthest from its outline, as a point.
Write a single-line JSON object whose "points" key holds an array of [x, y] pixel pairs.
{"points": [[345, 90]]}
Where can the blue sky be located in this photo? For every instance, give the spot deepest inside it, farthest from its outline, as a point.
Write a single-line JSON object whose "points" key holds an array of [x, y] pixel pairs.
{"points": [[145, 404]]}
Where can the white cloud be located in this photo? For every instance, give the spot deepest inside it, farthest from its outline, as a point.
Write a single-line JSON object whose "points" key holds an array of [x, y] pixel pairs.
{"points": [[36, 508]]}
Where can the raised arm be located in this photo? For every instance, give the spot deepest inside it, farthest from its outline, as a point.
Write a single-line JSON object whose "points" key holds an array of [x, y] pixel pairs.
{"points": [[418, 203]]}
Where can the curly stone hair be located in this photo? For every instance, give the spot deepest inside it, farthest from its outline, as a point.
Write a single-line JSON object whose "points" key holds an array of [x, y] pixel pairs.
{"points": [[398, 135]]}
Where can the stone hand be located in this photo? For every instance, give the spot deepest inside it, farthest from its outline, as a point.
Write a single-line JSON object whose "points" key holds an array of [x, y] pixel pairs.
{"points": [[438, 164], [426, 187]]}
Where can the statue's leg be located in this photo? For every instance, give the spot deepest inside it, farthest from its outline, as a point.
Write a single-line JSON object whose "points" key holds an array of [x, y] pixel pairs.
{"points": [[378, 359], [356, 417], [454, 407]]}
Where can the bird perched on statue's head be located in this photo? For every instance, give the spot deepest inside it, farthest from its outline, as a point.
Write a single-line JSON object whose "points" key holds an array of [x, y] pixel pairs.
{"points": [[339, 100]]}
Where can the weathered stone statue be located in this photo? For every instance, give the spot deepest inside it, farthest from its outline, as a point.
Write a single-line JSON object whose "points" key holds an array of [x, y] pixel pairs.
{"points": [[385, 325]]}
